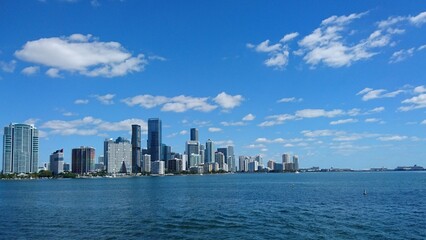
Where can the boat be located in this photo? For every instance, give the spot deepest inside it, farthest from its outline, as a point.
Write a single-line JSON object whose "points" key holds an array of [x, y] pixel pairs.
{"points": [[365, 192]]}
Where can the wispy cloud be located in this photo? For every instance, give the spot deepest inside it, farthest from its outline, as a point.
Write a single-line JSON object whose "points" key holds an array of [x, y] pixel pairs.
{"points": [[290, 99], [30, 70], [369, 93], [106, 99], [81, 101], [214, 129], [343, 121], [8, 67], [249, 117]]}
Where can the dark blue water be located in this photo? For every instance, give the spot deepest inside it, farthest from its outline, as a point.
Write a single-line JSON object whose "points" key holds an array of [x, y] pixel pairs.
{"points": [[234, 206]]}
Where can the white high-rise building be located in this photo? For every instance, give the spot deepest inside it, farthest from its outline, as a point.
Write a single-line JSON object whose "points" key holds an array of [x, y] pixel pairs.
{"points": [[20, 149], [146, 163], [295, 163], [56, 165], [157, 167], [194, 160], [118, 155]]}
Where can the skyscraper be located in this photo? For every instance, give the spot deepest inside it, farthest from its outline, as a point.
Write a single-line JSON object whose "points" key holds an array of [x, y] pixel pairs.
{"points": [[83, 160], [154, 138], [295, 163], [224, 151], [194, 134], [209, 152], [118, 155], [146, 166], [20, 149], [136, 148], [57, 162], [231, 159]]}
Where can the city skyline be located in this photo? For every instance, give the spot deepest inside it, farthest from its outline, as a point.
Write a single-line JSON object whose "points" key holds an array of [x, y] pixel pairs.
{"points": [[340, 87]]}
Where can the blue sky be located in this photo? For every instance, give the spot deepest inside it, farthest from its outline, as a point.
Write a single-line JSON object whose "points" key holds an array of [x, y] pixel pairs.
{"points": [[340, 83]]}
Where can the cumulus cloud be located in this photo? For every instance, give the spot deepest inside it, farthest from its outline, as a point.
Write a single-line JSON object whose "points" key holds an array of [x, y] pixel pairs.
{"points": [[214, 129], [30, 70], [53, 73], [249, 117], [314, 113], [369, 93], [415, 102], [266, 140], [227, 101], [89, 126], [82, 54], [420, 89], [343, 121], [81, 101], [276, 120], [289, 37], [106, 99]]}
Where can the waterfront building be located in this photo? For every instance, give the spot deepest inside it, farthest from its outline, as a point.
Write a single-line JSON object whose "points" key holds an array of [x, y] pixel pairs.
{"points": [[288, 167], [270, 165], [67, 167], [118, 155], [99, 167], [146, 163], [175, 165], [57, 162], [194, 134], [278, 167], [224, 151], [196, 169], [286, 161], [209, 153], [192, 147], [253, 166], [243, 163], [194, 160], [208, 167], [202, 154], [215, 167], [184, 162], [20, 149], [154, 138], [166, 152], [295, 163], [136, 148], [157, 167], [101, 159], [83, 160], [231, 159]]}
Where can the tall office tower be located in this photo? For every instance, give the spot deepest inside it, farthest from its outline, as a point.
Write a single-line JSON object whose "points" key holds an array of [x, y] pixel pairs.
{"points": [[185, 162], [271, 164], [20, 149], [194, 134], [220, 159], [231, 159], [146, 163], [154, 139], [295, 163], [192, 147], [83, 160], [136, 148], [224, 151], [259, 159], [286, 162], [166, 152], [243, 163], [194, 160], [118, 155], [202, 154], [57, 162], [209, 153]]}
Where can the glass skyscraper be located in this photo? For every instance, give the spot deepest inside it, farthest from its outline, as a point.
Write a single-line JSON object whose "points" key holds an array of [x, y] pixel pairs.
{"points": [[154, 139], [136, 148], [20, 149]]}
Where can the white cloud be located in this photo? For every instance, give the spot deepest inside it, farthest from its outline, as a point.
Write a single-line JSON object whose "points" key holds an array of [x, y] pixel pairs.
{"points": [[249, 117], [83, 54], [401, 55], [81, 101], [392, 138], [278, 60], [419, 19], [89, 126], [416, 102], [265, 140], [421, 47], [369, 93], [227, 124], [31, 121], [291, 99], [214, 129], [180, 103], [30, 70], [314, 113], [69, 114], [376, 110], [106, 99], [420, 89], [183, 132], [289, 37], [343, 121], [423, 122], [255, 146], [227, 101], [8, 66], [276, 120], [321, 133], [370, 120], [53, 73], [266, 48]]}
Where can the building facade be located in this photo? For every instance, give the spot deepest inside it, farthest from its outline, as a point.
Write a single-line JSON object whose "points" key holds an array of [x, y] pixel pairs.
{"points": [[209, 152], [118, 156], [136, 148], [83, 160], [20, 149], [57, 162], [154, 139]]}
